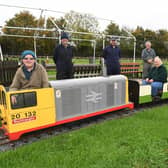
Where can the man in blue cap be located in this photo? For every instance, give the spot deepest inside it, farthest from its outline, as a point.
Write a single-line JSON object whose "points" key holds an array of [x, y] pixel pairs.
{"points": [[111, 54], [63, 55]]}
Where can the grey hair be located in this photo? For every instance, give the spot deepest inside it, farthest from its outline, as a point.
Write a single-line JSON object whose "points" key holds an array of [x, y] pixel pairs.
{"points": [[158, 58], [148, 43]]}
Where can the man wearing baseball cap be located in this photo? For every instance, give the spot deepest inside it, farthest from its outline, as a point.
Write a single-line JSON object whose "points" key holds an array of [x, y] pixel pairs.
{"points": [[111, 55], [63, 55]]}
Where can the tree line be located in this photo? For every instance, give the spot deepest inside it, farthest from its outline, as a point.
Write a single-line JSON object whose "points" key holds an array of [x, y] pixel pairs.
{"points": [[84, 43]]}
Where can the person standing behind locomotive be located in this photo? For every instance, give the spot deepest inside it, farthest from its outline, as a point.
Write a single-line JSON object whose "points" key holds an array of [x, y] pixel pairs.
{"points": [[148, 54], [63, 55], [112, 55]]}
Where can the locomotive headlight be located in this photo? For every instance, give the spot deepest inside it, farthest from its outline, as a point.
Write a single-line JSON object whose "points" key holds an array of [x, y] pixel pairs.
{"points": [[58, 93], [115, 85]]}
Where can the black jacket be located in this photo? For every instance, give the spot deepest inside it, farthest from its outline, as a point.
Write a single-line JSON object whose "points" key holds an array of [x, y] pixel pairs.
{"points": [[63, 57], [111, 55]]}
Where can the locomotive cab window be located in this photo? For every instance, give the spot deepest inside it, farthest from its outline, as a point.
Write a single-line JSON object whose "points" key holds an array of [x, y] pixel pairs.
{"points": [[3, 98], [21, 100]]}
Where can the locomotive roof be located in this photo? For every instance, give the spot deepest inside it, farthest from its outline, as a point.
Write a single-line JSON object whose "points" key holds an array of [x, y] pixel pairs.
{"points": [[85, 81]]}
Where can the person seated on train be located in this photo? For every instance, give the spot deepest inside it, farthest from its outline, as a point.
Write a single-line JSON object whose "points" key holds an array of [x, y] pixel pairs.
{"points": [[156, 77], [30, 75]]}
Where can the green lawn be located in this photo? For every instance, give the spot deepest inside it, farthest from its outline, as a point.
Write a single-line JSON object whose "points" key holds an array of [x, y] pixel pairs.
{"points": [[140, 141]]}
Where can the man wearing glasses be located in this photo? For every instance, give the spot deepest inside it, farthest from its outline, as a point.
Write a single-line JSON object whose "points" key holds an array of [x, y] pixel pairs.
{"points": [[30, 75]]}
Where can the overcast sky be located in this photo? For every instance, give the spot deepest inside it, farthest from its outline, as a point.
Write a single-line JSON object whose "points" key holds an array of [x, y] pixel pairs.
{"points": [[152, 14]]}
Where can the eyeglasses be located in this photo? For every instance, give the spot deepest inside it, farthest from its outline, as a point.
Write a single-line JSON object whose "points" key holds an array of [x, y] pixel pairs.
{"points": [[28, 58]]}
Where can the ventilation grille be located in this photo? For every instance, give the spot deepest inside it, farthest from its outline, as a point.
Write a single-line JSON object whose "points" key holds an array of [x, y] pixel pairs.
{"points": [[115, 93], [71, 102]]}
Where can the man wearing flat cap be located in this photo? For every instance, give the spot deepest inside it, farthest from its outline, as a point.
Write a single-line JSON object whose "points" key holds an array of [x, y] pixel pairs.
{"points": [[111, 55], [63, 55]]}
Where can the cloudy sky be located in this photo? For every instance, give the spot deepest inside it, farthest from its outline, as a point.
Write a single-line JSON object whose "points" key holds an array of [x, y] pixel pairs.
{"points": [[152, 14]]}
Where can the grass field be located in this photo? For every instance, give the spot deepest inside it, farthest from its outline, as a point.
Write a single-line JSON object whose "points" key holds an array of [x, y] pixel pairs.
{"points": [[140, 141]]}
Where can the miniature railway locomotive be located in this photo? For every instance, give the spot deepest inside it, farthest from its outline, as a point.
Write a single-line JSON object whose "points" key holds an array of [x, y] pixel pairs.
{"points": [[66, 101]]}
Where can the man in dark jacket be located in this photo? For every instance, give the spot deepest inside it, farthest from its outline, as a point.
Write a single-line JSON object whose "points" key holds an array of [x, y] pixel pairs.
{"points": [[111, 54], [63, 55]]}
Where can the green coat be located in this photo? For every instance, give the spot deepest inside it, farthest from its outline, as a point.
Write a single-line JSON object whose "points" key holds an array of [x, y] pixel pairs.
{"points": [[158, 74]]}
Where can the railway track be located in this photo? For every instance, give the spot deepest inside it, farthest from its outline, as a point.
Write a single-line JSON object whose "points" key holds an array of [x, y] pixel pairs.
{"points": [[6, 144]]}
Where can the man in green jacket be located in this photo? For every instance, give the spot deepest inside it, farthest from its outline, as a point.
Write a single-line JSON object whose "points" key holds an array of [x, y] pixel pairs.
{"points": [[156, 77]]}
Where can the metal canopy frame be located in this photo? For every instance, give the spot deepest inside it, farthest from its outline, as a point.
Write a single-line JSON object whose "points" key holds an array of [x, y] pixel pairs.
{"points": [[37, 29], [1, 54]]}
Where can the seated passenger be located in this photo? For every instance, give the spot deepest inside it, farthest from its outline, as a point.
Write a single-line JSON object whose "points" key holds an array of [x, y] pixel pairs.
{"points": [[156, 77], [30, 75]]}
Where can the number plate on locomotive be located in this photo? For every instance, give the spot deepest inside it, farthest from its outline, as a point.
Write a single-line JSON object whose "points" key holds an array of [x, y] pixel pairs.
{"points": [[23, 117]]}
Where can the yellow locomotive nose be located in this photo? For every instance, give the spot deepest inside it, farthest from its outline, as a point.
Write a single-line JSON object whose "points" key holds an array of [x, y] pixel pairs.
{"points": [[34, 109], [3, 105]]}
